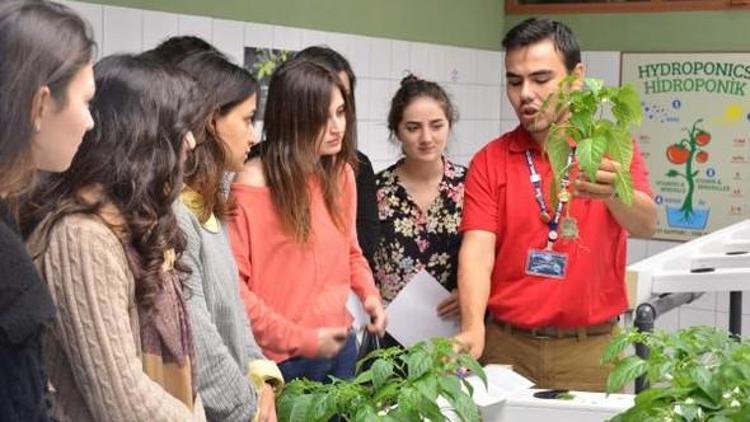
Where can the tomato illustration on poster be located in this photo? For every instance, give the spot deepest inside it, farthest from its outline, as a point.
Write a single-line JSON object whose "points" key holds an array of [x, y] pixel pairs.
{"points": [[695, 137]]}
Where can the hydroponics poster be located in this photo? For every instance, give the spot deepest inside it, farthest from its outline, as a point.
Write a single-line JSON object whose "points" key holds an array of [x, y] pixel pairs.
{"points": [[696, 125]]}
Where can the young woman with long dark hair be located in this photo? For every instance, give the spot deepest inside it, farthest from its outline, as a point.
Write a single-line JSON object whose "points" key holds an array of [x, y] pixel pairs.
{"points": [[46, 82], [234, 378], [294, 235], [420, 197], [368, 228], [108, 245]]}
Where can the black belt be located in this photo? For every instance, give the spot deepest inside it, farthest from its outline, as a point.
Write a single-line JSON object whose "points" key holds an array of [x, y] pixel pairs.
{"points": [[557, 332]]}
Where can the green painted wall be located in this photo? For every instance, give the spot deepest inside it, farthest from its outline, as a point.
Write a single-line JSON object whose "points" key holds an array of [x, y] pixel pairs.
{"points": [[466, 23], [676, 31]]}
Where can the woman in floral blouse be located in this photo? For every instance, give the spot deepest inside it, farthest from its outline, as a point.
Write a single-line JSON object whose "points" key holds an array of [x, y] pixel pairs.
{"points": [[420, 198]]}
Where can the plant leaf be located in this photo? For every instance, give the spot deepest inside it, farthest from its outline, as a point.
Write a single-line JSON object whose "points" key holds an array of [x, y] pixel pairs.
{"points": [[418, 364], [687, 411], [381, 371], [429, 409], [366, 413], [615, 348], [702, 378], [624, 186], [408, 400], [589, 153], [627, 370], [605, 128], [323, 407], [705, 402], [388, 394], [672, 173], [627, 106], [469, 362], [284, 405], [582, 124], [647, 397], [594, 85], [620, 148], [428, 386], [466, 409], [301, 409], [449, 386]]}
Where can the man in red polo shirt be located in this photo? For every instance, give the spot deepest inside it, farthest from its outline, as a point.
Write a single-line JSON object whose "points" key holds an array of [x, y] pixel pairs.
{"points": [[552, 302]]}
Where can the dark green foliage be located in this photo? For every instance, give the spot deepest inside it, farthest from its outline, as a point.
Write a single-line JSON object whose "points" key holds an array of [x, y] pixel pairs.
{"points": [[593, 134], [400, 385], [696, 374]]}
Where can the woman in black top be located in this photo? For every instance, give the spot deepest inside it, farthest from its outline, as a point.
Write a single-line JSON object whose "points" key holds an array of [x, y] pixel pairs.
{"points": [[420, 197], [46, 82]]}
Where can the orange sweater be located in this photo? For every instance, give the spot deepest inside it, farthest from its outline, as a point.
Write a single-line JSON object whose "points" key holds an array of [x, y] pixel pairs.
{"points": [[291, 290]]}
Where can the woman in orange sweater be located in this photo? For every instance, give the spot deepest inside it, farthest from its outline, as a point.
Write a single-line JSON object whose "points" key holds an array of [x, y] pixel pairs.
{"points": [[294, 233]]}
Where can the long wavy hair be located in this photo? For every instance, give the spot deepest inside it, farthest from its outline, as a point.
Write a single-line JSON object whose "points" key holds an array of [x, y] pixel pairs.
{"points": [[42, 44], [296, 113], [133, 158], [224, 85]]}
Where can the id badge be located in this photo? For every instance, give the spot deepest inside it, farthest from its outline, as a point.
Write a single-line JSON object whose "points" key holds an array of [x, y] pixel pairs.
{"points": [[544, 263]]}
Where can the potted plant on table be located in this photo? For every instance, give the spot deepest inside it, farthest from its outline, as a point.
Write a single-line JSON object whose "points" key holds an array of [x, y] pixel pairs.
{"points": [[696, 374], [400, 385]]}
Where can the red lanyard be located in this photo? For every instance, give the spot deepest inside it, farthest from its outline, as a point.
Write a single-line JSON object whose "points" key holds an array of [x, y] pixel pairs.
{"points": [[536, 182]]}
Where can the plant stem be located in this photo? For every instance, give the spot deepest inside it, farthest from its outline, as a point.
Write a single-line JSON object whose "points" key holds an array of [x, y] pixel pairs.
{"points": [[687, 205]]}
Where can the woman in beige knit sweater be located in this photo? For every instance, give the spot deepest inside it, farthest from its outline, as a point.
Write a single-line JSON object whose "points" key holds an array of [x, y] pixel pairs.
{"points": [[121, 348]]}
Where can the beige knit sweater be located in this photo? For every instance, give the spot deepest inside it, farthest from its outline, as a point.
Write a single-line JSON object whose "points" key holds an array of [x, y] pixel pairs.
{"points": [[93, 350]]}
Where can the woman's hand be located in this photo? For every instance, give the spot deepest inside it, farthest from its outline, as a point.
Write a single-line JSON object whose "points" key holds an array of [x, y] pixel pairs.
{"points": [[267, 404], [378, 320], [449, 308], [330, 341]]}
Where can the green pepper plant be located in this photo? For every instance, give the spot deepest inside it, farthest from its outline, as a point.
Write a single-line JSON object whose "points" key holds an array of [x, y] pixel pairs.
{"points": [[696, 374], [399, 385], [596, 122]]}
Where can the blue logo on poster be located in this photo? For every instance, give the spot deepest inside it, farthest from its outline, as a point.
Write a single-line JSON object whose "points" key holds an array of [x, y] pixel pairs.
{"points": [[676, 104], [710, 172]]}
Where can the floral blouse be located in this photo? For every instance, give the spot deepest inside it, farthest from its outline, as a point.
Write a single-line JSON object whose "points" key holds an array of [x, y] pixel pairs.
{"points": [[412, 240]]}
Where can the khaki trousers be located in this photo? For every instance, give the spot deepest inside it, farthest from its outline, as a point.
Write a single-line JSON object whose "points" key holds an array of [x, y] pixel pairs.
{"points": [[571, 363]]}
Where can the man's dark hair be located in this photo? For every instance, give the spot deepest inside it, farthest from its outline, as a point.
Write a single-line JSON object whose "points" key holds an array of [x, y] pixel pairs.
{"points": [[534, 30]]}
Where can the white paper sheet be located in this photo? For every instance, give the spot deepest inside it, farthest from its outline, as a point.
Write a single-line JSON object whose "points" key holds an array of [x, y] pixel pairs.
{"points": [[412, 315], [354, 306]]}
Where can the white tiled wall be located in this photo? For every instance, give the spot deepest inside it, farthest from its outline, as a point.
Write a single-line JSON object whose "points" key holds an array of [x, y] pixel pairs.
{"points": [[474, 78], [471, 76]]}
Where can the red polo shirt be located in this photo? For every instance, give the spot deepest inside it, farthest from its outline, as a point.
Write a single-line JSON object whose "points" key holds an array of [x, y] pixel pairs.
{"points": [[500, 198]]}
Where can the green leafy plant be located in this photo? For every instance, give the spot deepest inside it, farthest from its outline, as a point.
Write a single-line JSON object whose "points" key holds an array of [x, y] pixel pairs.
{"points": [[400, 385], [593, 135], [267, 61], [696, 374]]}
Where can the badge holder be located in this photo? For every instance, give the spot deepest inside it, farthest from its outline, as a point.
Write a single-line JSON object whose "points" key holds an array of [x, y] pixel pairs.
{"points": [[546, 263]]}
